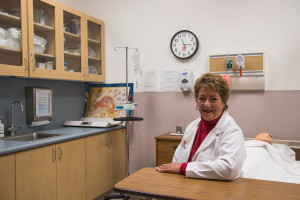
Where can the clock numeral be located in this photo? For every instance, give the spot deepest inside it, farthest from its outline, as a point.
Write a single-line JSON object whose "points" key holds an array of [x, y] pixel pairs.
{"points": [[184, 55], [174, 45], [189, 53], [175, 50], [192, 49], [183, 34], [176, 40], [179, 52]]}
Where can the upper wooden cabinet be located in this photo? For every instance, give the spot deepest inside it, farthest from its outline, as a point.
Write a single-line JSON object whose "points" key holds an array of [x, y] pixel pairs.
{"points": [[94, 55], [55, 41], [13, 38], [83, 46], [43, 39]]}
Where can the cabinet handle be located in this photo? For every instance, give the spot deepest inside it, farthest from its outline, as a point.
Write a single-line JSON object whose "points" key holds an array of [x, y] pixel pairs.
{"points": [[87, 69], [84, 71], [107, 140], [53, 154], [26, 63], [34, 64], [60, 153], [175, 147]]}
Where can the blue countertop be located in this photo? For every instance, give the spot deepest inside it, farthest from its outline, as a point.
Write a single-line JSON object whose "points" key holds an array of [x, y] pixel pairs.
{"points": [[70, 133]]}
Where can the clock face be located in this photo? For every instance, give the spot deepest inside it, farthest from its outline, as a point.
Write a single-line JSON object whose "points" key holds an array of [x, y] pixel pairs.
{"points": [[184, 44]]}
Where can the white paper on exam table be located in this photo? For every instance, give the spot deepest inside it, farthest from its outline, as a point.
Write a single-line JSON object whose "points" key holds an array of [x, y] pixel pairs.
{"points": [[93, 122]]}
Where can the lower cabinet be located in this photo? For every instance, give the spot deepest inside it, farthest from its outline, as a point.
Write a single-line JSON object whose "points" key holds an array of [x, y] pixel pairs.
{"points": [[78, 169], [166, 146], [105, 162], [52, 172], [7, 177], [71, 170], [36, 174]]}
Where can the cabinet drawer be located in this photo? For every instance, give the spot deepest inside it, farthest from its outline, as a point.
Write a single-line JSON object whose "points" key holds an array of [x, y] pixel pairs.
{"points": [[163, 158], [167, 146]]}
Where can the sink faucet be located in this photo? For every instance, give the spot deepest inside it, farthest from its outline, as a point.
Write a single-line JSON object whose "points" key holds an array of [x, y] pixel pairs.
{"points": [[12, 129]]}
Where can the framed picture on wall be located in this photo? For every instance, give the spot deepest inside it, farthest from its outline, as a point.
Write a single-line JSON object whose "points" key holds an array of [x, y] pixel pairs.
{"points": [[101, 99]]}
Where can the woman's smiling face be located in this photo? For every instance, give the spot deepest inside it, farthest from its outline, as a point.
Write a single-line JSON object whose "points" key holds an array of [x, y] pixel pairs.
{"points": [[210, 104]]}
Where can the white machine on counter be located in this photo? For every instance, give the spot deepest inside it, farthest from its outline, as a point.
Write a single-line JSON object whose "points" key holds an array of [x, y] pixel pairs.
{"points": [[186, 80], [93, 122]]}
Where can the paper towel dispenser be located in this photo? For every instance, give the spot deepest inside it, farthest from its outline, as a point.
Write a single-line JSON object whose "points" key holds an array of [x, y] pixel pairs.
{"points": [[38, 105]]}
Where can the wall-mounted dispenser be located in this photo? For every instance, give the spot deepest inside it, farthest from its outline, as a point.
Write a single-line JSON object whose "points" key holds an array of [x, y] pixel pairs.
{"points": [[38, 106], [186, 80]]}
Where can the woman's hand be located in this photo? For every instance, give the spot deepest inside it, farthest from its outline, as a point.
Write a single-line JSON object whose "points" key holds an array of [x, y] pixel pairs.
{"points": [[170, 167]]}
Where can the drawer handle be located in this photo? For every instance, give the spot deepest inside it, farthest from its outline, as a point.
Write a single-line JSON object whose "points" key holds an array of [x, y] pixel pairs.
{"points": [[53, 154], [175, 147], [60, 150]]}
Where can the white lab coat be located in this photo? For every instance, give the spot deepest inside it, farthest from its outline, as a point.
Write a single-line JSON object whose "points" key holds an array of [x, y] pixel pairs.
{"points": [[220, 156]]}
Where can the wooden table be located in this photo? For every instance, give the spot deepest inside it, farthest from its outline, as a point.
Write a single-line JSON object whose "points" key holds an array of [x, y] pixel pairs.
{"points": [[149, 183]]}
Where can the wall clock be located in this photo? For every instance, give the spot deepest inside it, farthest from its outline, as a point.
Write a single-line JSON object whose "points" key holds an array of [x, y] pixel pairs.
{"points": [[184, 44]]}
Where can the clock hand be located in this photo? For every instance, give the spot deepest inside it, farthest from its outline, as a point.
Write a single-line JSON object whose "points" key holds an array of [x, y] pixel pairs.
{"points": [[182, 42]]}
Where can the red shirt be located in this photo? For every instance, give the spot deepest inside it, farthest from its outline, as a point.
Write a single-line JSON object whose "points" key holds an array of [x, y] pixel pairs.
{"points": [[204, 128]]}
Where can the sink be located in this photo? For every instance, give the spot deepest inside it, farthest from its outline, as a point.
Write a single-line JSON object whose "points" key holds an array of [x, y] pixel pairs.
{"points": [[31, 137]]}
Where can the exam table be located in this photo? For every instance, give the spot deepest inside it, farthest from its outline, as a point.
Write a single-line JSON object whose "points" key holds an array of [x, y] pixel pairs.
{"points": [[273, 162]]}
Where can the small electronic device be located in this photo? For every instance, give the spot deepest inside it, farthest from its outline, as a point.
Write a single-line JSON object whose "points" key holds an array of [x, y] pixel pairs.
{"points": [[186, 80], [229, 64], [128, 105], [92, 122], [240, 61]]}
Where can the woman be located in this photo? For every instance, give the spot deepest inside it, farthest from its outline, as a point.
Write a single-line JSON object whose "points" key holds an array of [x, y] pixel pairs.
{"points": [[213, 145]]}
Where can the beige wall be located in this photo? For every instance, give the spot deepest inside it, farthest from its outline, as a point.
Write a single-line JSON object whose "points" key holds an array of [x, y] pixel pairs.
{"points": [[269, 26]]}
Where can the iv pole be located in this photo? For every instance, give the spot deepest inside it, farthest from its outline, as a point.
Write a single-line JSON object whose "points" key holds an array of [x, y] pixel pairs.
{"points": [[127, 118]]}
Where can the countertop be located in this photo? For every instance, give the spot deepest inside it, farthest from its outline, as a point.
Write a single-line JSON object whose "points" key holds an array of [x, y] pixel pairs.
{"points": [[70, 133]]}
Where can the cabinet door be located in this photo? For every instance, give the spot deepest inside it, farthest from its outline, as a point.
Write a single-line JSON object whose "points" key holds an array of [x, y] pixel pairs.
{"points": [[13, 38], [94, 49], [72, 44], [97, 158], [71, 170], [165, 150], [7, 177], [118, 156], [36, 174], [43, 20]]}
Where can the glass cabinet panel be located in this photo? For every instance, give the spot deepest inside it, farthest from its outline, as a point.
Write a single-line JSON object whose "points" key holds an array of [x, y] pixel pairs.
{"points": [[72, 42], [10, 33], [44, 35], [94, 48]]}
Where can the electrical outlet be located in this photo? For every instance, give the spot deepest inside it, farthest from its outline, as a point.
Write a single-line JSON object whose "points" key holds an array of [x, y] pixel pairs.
{"points": [[179, 129]]}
